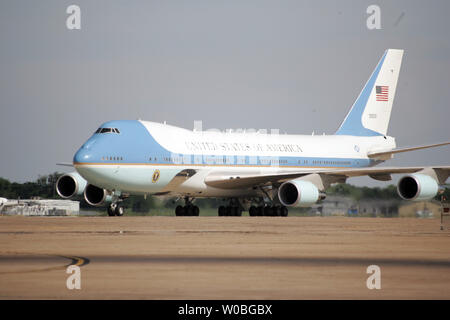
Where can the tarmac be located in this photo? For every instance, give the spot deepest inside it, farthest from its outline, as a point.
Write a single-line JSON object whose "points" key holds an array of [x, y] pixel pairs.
{"points": [[223, 257]]}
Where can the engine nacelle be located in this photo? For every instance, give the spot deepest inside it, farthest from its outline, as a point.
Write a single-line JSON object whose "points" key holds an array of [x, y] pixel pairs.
{"points": [[70, 184], [298, 193], [417, 187], [96, 196]]}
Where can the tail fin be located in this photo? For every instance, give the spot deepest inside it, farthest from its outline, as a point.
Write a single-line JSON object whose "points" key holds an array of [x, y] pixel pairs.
{"points": [[370, 114]]}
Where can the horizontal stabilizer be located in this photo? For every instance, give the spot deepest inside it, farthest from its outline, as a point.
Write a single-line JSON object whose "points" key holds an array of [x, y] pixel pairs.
{"points": [[385, 155]]}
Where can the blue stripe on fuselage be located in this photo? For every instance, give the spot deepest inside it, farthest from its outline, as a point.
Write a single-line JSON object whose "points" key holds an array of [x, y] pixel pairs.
{"points": [[135, 145]]}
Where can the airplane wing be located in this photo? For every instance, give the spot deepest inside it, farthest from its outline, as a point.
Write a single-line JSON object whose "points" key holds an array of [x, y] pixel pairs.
{"points": [[65, 164], [385, 155], [227, 181]]}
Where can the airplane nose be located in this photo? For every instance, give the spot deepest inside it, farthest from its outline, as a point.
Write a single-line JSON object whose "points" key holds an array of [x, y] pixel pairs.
{"points": [[83, 155]]}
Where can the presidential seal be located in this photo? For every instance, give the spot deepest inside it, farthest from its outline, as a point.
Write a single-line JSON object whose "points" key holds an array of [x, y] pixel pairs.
{"points": [[156, 175]]}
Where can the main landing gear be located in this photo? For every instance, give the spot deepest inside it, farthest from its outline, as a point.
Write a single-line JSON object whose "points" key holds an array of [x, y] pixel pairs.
{"points": [[233, 209], [188, 210], [115, 209], [226, 211], [268, 211]]}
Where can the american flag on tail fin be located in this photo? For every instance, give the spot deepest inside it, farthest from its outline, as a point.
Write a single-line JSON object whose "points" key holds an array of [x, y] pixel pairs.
{"points": [[382, 93]]}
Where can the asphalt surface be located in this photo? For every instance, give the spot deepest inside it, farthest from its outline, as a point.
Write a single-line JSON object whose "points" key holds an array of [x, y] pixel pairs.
{"points": [[223, 257]]}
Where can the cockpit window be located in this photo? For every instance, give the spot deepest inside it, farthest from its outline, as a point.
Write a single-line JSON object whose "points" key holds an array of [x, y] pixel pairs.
{"points": [[107, 130]]}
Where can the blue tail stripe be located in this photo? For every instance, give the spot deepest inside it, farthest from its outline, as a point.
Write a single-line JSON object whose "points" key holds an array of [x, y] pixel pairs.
{"points": [[352, 125]]}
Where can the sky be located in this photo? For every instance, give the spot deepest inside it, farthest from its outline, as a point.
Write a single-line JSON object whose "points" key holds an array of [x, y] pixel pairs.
{"points": [[296, 66]]}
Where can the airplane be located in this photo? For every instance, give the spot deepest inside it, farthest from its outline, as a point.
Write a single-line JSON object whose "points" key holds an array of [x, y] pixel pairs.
{"points": [[256, 171], [3, 201]]}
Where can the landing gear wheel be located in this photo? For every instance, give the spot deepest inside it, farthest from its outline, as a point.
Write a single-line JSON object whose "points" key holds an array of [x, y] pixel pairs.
{"points": [[276, 211], [179, 211], [196, 211], [111, 211], [119, 211], [189, 210], [268, 212], [222, 211], [252, 212], [260, 211], [284, 211]]}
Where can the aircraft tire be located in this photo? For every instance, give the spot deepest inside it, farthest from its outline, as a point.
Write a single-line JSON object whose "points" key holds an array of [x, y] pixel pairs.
{"points": [[189, 211], [196, 211], [268, 212], [276, 211], [222, 211], [179, 211], [119, 211], [110, 211], [260, 211]]}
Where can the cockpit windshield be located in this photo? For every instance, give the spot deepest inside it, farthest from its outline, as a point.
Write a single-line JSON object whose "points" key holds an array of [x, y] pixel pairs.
{"points": [[107, 130]]}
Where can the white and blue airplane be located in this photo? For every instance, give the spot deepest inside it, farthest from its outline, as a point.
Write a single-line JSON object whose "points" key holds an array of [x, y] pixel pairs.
{"points": [[264, 173]]}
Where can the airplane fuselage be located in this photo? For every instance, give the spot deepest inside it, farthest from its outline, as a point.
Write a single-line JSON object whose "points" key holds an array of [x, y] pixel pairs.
{"points": [[141, 157]]}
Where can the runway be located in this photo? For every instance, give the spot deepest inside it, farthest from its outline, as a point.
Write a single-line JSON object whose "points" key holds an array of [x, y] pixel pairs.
{"points": [[223, 257]]}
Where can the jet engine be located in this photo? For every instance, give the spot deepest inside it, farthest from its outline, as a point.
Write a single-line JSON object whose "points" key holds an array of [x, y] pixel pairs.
{"points": [[70, 184], [298, 193], [96, 196], [417, 187]]}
